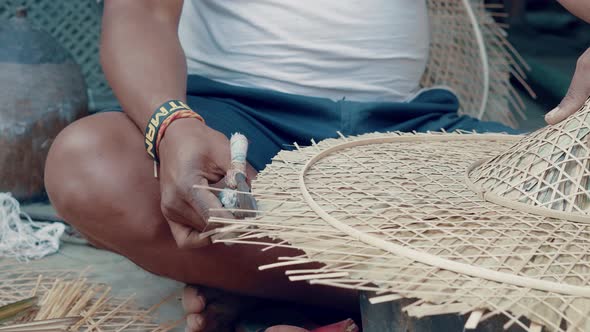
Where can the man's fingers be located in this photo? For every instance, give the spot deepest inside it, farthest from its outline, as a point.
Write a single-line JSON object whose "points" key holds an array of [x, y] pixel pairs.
{"points": [[578, 92], [206, 203], [184, 222], [177, 209], [188, 213], [186, 236]]}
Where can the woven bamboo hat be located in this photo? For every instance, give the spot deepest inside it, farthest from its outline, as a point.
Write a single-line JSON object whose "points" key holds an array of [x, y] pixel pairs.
{"points": [[547, 173], [483, 223]]}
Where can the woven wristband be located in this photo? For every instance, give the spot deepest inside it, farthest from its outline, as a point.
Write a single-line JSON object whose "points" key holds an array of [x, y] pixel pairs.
{"points": [[180, 114], [160, 115]]}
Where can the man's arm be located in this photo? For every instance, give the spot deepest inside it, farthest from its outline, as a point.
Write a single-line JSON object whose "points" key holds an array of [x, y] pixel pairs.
{"points": [[580, 8], [141, 55], [144, 63]]}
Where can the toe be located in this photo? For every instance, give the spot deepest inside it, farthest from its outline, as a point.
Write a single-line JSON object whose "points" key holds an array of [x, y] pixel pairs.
{"points": [[192, 300], [195, 323]]}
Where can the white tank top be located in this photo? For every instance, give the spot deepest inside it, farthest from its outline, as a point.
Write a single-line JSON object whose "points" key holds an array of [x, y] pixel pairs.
{"points": [[361, 50]]}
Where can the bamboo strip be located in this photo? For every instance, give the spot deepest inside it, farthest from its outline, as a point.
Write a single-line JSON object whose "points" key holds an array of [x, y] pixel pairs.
{"points": [[473, 320], [109, 315], [36, 288], [60, 324]]}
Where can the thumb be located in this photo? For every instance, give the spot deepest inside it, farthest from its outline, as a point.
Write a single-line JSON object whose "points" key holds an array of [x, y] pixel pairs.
{"points": [[571, 103], [576, 95]]}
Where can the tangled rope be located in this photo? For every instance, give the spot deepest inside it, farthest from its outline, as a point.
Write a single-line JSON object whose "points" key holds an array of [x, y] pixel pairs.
{"points": [[21, 237]]}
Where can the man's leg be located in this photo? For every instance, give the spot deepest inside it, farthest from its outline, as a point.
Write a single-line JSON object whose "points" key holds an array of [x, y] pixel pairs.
{"points": [[100, 180], [431, 110]]}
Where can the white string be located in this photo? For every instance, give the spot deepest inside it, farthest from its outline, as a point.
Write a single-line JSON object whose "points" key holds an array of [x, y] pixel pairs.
{"points": [[23, 238], [229, 198]]}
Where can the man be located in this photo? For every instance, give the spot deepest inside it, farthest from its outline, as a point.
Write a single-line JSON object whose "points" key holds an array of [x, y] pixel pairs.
{"points": [[278, 71]]}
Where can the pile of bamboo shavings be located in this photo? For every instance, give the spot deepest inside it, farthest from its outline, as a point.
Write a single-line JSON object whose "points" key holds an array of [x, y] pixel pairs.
{"points": [[70, 302], [410, 191]]}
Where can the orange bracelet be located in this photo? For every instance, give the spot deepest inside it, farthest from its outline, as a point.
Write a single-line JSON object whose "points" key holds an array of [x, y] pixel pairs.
{"points": [[183, 114]]}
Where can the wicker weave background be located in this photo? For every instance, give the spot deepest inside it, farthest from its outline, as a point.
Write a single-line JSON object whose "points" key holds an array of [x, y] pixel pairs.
{"points": [[76, 25], [455, 61]]}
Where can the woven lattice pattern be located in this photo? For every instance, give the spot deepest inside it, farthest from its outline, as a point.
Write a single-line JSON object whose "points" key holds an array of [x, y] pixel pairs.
{"points": [[548, 172], [385, 192], [75, 24], [104, 312]]}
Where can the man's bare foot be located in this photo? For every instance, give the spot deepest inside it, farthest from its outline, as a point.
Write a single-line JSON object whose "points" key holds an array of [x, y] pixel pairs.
{"points": [[212, 310], [194, 305]]}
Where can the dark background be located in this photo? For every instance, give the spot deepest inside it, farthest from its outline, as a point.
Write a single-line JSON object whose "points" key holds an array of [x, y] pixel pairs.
{"points": [[550, 39]]}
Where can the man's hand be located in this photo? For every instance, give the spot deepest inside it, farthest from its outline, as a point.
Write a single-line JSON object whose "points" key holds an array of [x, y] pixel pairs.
{"points": [[191, 153], [577, 93]]}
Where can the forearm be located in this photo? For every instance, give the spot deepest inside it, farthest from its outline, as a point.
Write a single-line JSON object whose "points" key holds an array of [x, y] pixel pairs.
{"points": [[141, 55], [580, 8]]}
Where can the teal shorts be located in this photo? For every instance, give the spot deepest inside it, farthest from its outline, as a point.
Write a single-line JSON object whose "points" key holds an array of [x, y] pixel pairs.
{"points": [[274, 120]]}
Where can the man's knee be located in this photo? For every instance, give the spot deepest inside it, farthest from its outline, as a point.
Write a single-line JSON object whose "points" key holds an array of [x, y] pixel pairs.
{"points": [[98, 178], [67, 182], [78, 164]]}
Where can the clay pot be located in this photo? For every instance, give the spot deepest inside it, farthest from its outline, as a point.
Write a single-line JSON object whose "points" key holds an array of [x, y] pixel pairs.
{"points": [[42, 90]]}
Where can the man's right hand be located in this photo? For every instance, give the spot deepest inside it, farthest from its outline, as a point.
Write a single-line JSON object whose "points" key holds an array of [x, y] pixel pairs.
{"points": [[191, 153]]}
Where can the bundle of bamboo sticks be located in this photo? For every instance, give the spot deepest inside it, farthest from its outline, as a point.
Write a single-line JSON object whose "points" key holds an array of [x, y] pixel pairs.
{"points": [[67, 305], [68, 301]]}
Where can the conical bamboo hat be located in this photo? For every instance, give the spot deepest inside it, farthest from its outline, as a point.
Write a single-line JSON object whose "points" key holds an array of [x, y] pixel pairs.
{"points": [[410, 216], [546, 173]]}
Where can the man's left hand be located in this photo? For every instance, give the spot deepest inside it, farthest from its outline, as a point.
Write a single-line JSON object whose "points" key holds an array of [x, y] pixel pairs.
{"points": [[577, 93]]}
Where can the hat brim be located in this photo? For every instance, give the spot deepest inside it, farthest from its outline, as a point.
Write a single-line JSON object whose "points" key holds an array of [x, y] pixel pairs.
{"points": [[396, 211]]}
